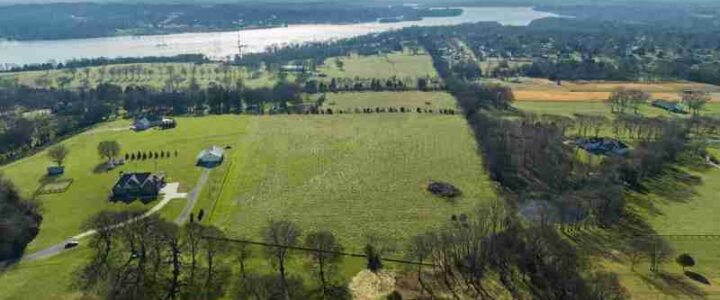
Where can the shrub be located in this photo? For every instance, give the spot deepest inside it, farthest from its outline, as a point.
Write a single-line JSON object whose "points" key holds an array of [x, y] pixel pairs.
{"points": [[685, 260]]}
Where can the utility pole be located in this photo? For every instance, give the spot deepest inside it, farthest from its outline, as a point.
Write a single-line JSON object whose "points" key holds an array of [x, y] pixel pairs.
{"points": [[240, 46]]}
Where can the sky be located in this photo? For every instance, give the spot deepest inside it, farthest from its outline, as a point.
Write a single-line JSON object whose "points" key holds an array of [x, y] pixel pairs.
{"points": [[494, 2]]}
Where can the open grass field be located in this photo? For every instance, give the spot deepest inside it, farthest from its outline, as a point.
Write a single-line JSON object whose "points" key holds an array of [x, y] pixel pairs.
{"points": [[410, 99], [599, 108], [154, 75], [399, 64], [534, 89], [355, 175]]}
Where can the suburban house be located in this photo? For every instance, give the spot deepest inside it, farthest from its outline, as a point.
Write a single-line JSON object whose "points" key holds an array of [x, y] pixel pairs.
{"points": [[150, 121], [293, 69], [674, 107], [603, 146], [211, 157], [55, 170], [137, 185]]}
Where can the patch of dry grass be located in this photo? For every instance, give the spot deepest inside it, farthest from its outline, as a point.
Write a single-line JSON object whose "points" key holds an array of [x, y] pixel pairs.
{"points": [[367, 285]]}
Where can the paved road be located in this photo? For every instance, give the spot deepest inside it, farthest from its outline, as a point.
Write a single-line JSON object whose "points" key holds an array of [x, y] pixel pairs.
{"points": [[170, 192], [193, 197]]}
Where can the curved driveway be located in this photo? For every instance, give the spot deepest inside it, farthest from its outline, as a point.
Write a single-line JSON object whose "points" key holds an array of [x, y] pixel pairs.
{"points": [[169, 192]]}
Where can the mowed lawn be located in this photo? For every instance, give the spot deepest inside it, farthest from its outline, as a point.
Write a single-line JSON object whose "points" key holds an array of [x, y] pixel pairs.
{"points": [[399, 64], [354, 175], [64, 213], [409, 99]]}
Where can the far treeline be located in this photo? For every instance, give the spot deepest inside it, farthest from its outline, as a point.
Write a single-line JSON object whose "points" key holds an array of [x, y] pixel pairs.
{"points": [[553, 48], [89, 20], [60, 113]]}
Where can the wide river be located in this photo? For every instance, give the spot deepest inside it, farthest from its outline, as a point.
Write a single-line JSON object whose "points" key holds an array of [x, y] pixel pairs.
{"points": [[223, 44]]}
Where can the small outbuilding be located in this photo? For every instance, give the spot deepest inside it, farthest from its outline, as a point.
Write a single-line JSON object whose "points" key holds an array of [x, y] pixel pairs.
{"points": [[55, 170], [151, 121], [211, 157], [674, 107]]}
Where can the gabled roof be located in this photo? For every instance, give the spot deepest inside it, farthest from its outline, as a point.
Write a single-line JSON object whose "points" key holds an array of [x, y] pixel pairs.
{"points": [[214, 151], [132, 178]]}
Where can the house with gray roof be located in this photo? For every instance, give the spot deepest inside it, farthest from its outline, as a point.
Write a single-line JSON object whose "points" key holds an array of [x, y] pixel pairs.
{"points": [[211, 157], [131, 186]]}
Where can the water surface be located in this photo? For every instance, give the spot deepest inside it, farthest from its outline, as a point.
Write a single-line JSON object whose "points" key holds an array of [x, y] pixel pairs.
{"points": [[223, 44]]}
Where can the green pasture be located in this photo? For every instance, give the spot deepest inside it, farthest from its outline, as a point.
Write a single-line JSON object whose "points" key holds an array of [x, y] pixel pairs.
{"points": [[410, 100], [356, 175], [398, 64]]}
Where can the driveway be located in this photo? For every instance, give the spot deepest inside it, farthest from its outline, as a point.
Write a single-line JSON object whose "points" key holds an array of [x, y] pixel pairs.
{"points": [[193, 197], [169, 192]]}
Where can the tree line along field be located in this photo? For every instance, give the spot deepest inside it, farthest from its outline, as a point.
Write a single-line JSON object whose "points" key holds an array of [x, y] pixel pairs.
{"points": [[355, 174], [154, 75], [402, 65]]}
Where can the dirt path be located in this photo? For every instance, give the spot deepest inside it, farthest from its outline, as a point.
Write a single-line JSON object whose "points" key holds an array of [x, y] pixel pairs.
{"points": [[169, 192], [193, 197]]}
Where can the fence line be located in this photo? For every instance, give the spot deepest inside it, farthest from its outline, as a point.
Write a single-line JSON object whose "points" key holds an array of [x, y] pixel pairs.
{"points": [[395, 260]]}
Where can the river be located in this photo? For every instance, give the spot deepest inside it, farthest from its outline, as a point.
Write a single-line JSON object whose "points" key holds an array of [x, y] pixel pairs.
{"points": [[224, 44]]}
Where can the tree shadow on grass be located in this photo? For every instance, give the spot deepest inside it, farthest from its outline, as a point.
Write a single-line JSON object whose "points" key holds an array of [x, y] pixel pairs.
{"points": [[697, 277], [673, 285], [674, 185], [101, 168]]}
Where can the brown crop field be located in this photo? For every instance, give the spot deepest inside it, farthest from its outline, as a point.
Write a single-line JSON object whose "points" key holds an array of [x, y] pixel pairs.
{"points": [[533, 89]]}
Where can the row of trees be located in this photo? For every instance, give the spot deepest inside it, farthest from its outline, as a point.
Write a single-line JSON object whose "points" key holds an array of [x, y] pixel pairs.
{"points": [[372, 84], [471, 255], [149, 258], [142, 155]]}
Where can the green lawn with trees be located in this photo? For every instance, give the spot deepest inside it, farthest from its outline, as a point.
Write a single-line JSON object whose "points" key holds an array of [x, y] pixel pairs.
{"points": [[360, 176]]}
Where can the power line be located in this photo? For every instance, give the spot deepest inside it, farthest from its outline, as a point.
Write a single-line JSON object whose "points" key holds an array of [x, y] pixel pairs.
{"points": [[395, 260]]}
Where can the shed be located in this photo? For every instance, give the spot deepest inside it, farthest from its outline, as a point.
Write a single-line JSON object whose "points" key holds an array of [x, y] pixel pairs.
{"points": [[210, 157], [55, 170]]}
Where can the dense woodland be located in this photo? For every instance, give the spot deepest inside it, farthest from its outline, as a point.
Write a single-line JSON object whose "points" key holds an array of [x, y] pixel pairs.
{"points": [[19, 221]]}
